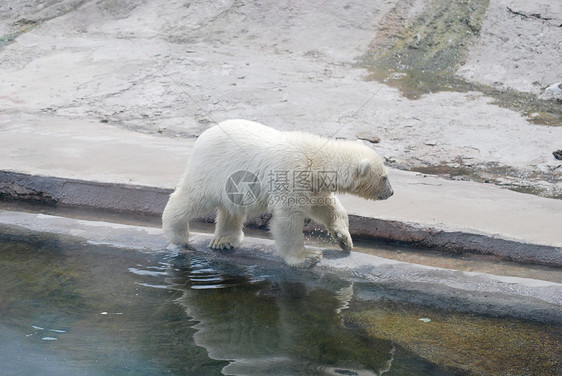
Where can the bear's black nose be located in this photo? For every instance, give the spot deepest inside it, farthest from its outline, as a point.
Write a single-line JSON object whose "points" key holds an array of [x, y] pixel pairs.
{"points": [[385, 194]]}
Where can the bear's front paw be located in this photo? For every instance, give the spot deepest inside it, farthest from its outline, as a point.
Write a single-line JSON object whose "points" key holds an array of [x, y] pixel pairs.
{"points": [[304, 258], [343, 238], [226, 242]]}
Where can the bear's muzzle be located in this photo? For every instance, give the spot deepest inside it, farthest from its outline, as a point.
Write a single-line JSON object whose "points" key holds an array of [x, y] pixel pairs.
{"points": [[386, 191]]}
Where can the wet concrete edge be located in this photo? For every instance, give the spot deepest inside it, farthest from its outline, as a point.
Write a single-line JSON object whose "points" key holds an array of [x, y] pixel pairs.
{"points": [[150, 201], [373, 278]]}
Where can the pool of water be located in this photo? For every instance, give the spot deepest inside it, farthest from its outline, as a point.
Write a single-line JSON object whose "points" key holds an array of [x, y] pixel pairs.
{"points": [[69, 308]]}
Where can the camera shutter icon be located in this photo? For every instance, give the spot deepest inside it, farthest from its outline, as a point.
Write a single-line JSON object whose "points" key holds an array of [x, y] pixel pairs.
{"points": [[243, 188]]}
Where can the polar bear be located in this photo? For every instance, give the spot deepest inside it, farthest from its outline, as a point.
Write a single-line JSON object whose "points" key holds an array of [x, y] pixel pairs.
{"points": [[240, 168]]}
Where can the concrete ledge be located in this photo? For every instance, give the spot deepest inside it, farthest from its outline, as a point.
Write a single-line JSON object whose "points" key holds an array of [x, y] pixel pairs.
{"points": [[62, 192], [150, 201], [454, 241], [372, 277]]}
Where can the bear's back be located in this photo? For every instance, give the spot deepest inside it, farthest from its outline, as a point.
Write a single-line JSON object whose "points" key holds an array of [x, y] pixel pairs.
{"points": [[243, 134]]}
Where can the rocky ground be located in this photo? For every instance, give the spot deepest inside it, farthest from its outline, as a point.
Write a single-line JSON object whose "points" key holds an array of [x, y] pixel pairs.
{"points": [[460, 93]]}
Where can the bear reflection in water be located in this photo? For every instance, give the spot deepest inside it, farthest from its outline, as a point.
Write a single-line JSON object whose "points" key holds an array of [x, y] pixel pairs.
{"points": [[267, 325], [241, 168]]}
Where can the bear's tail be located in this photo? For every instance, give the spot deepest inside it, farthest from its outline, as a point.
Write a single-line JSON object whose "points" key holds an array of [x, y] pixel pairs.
{"points": [[175, 219]]}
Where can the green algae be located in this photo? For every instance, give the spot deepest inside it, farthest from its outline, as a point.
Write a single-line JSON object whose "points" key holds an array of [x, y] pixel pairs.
{"points": [[20, 27], [422, 56], [473, 344], [435, 41], [57, 279]]}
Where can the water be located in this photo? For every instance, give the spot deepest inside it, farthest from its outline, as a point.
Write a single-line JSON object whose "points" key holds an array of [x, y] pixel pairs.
{"points": [[67, 308], [70, 309]]}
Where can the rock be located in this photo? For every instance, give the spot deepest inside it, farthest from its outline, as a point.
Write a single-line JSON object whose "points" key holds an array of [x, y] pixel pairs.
{"points": [[368, 136], [557, 154]]}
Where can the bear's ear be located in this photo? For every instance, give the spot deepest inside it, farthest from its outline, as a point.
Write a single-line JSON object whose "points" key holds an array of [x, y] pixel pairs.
{"points": [[363, 167]]}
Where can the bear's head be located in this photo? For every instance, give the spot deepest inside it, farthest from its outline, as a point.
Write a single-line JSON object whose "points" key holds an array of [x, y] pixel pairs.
{"points": [[366, 176], [371, 180]]}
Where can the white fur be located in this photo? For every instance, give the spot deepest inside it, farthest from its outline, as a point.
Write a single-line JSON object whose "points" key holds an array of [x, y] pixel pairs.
{"points": [[241, 145]]}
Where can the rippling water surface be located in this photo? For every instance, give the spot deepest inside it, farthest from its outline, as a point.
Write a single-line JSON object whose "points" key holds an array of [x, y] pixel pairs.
{"points": [[73, 309], [68, 309]]}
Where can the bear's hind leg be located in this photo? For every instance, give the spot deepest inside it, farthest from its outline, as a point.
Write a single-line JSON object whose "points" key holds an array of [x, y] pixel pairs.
{"points": [[181, 207], [287, 229], [228, 230]]}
